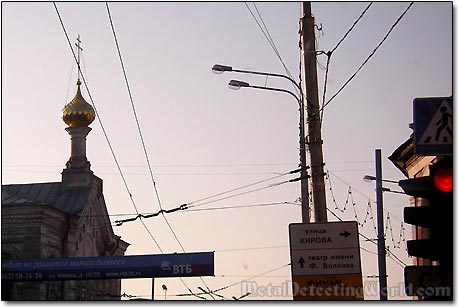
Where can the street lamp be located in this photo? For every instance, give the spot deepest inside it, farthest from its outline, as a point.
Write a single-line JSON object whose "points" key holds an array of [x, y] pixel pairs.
{"points": [[219, 69], [369, 178], [236, 84]]}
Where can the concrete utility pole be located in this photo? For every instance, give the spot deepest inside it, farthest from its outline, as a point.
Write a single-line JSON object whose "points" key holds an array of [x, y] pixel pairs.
{"points": [[308, 57]]}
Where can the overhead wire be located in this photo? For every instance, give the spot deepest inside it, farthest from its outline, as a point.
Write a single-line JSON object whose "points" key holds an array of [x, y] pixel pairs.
{"points": [[188, 205], [352, 27], [245, 280], [367, 59], [387, 250], [388, 225], [101, 125], [361, 193], [242, 187], [243, 193], [243, 206], [144, 148], [329, 54], [109, 143], [266, 33]]}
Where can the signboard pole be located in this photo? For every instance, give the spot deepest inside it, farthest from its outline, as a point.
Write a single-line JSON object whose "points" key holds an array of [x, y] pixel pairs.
{"points": [[380, 235]]}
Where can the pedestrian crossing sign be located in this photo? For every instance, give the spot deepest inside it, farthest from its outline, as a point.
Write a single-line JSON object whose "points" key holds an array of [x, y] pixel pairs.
{"points": [[433, 126]]}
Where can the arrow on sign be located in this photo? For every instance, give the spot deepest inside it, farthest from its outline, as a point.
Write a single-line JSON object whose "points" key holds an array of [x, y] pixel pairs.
{"points": [[344, 234], [301, 262]]}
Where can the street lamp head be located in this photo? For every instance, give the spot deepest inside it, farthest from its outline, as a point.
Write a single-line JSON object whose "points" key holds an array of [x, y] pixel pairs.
{"points": [[369, 178], [236, 84], [219, 69]]}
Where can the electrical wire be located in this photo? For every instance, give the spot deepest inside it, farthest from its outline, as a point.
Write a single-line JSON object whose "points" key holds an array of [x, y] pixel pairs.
{"points": [[352, 27], [242, 193], [269, 38], [144, 149], [239, 207], [106, 137], [367, 59], [329, 53], [388, 252], [243, 187], [388, 224], [245, 280], [362, 194]]}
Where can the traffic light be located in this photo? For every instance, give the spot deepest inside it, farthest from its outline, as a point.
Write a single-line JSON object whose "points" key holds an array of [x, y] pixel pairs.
{"points": [[437, 216]]}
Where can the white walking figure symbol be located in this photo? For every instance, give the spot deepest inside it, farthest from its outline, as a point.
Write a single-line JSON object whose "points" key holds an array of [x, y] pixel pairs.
{"points": [[444, 123]]}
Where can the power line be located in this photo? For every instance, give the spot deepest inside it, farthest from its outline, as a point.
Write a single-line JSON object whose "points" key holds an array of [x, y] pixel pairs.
{"points": [[368, 58], [106, 137], [133, 107], [243, 193], [352, 27], [245, 206], [268, 37], [329, 54], [243, 187], [360, 193], [144, 148], [388, 252], [101, 124], [140, 216], [239, 282], [250, 248]]}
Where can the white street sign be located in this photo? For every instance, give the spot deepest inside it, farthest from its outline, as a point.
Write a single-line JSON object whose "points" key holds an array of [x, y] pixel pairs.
{"points": [[324, 248], [324, 235], [325, 262]]}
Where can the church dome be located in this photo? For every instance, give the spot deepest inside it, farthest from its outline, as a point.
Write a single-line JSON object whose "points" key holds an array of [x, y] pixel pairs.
{"points": [[78, 113]]}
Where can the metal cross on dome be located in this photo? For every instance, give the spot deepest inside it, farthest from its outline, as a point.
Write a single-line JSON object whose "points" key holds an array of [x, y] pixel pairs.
{"points": [[78, 46]]}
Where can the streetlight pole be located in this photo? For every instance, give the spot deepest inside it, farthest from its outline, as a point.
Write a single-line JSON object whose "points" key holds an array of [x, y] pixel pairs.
{"points": [[302, 154], [380, 228]]}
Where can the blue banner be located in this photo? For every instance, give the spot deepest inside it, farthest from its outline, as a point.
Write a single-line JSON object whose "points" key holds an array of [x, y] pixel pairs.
{"points": [[109, 267]]}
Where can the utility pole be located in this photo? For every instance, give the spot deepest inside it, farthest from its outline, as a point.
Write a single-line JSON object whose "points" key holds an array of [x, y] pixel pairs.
{"points": [[303, 158], [380, 229], [308, 59]]}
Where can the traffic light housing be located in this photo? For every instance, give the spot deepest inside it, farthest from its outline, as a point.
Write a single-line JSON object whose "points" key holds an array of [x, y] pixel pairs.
{"points": [[437, 216]]}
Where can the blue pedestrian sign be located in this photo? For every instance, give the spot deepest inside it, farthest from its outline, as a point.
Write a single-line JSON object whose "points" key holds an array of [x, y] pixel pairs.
{"points": [[109, 267], [433, 126]]}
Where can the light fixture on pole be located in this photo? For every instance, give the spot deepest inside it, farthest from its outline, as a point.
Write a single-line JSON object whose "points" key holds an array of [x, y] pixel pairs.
{"points": [[369, 178], [236, 84]]}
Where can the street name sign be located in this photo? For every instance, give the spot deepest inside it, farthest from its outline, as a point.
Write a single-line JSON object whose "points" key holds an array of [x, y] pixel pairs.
{"points": [[325, 258], [109, 267], [433, 126]]}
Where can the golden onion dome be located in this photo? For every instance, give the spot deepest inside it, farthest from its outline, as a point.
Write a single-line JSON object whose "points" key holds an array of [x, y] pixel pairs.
{"points": [[78, 113]]}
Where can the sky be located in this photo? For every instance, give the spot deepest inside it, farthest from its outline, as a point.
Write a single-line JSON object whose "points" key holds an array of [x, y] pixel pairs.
{"points": [[203, 138]]}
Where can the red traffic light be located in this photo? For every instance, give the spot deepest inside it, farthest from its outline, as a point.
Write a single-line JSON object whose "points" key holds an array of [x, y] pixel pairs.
{"points": [[443, 179]]}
